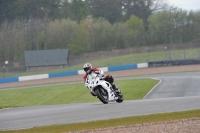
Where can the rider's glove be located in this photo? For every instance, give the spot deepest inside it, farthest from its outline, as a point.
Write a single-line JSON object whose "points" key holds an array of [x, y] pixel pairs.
{"points": [[101, 77], [100, 74], [97, 72]]}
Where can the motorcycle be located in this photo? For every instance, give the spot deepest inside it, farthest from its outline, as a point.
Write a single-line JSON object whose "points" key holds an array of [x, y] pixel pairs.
{"points": [[103, 89]]}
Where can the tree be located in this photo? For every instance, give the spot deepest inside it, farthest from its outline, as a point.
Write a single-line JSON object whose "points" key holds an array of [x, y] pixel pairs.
{"points": [[29, 9], [79, 9], [80, 40], [12, 40], [101, 35], [107, 9], [141, 8], [60, 34], [7, 10], [64, 10], [136, 24], [136, 27], [197, 25], [161, 27], [120, 36], [173, 25]]}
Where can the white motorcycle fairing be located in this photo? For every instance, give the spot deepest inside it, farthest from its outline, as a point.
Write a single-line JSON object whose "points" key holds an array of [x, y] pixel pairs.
{"points": [[94, 81]]}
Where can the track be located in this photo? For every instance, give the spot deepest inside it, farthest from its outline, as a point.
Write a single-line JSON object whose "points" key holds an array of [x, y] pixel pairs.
{"points": [[174, 85], [176, 92]]}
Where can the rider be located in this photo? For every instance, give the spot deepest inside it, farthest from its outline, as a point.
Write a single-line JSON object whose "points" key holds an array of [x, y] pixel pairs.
{"points": [[88, 69]]}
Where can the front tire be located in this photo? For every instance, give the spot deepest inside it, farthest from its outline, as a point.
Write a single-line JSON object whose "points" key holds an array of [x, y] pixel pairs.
{"points": [[102, 94]]}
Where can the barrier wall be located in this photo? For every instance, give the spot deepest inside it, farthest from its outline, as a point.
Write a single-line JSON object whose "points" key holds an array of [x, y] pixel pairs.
{"points": [[71, 73], [8, 80]]}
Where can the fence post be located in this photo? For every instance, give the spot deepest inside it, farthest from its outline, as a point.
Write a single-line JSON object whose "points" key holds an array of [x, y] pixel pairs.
{"points": [[4, 72], [148, 55], [165, 53], [199, 52]]}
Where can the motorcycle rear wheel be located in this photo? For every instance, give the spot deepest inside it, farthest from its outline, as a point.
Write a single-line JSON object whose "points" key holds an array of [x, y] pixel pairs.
{"points": [[102, 95], [120, 99]]}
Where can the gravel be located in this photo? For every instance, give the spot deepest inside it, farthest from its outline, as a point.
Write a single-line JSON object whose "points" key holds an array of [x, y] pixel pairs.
{"points": [[191, 125]]}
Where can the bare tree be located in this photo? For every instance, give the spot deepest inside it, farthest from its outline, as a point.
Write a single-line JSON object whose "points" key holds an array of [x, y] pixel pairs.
{"points": [[142, 8], [156, 5]]}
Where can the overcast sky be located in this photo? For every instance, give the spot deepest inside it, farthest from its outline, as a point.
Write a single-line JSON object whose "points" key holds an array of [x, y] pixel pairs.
{"points": [[186, 4]]}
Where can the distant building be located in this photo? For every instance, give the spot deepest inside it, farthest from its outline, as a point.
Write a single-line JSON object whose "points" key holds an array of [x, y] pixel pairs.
{"points": [[43, 59]]}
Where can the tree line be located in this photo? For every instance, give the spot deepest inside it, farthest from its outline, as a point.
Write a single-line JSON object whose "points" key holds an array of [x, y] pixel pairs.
{"points": [[91, 25], [111, 10]]}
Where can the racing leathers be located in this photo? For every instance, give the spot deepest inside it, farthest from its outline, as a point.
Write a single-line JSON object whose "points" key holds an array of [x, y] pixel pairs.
{"points": [[107, 78]]}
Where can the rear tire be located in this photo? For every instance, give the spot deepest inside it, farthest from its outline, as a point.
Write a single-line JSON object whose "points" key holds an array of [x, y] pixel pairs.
{"points": [[120, 98], [102, 95]]}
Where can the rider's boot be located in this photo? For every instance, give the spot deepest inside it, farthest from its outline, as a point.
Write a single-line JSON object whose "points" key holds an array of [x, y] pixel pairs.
{"points": [[115, 88]]}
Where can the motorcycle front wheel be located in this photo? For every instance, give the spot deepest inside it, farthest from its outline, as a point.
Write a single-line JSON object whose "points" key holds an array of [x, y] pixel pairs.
{"points": [[102, 94]]}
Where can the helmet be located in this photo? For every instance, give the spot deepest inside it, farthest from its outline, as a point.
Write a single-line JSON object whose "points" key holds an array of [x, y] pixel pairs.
{"points": [[87, 67]]}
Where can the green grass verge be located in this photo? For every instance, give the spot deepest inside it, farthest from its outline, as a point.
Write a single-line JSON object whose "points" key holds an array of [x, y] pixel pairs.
{"points": [[70, 93], [119, 60], [154, 118]]}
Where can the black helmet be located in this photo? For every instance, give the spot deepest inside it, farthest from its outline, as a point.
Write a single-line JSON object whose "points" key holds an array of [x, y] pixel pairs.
{"points": [[87, 67]]}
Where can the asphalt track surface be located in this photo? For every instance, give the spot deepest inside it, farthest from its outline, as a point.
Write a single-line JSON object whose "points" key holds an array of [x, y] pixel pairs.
{"points": [[175, 92]]}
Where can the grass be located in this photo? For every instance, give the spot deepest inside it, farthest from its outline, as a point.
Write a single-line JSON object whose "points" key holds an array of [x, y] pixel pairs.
{"points": [[154, 118], [70, 93], [119, 60], [77, 93]]}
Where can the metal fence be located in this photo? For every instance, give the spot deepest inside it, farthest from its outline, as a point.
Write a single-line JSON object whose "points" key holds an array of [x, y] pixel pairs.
{"points": [[108, 58], [140, 54]]}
